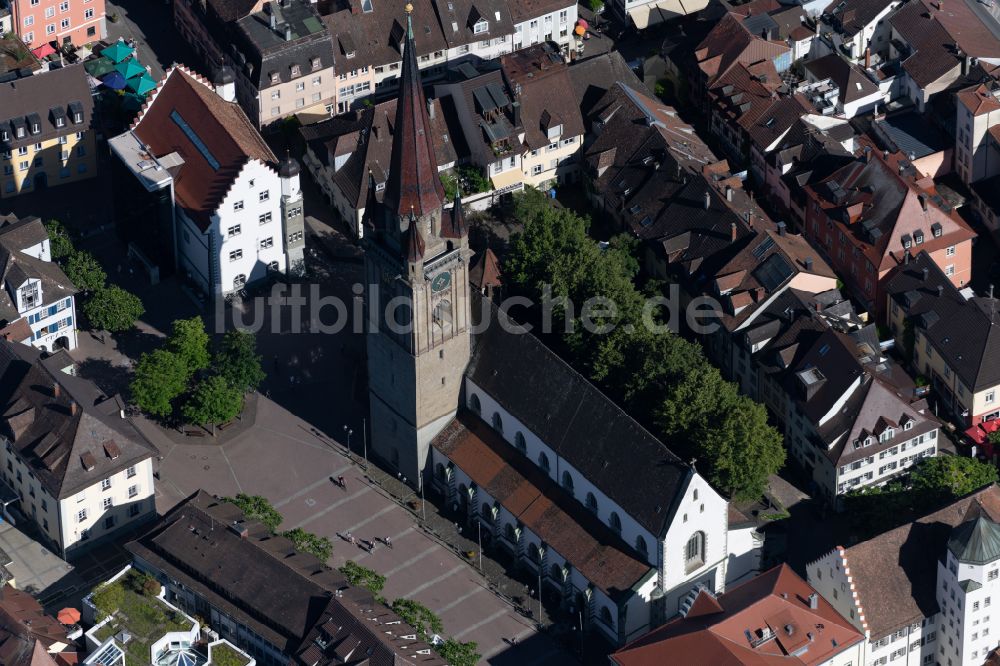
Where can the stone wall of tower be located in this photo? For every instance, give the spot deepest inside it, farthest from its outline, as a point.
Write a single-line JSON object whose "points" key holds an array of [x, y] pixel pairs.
{"points": [[415, 378]]}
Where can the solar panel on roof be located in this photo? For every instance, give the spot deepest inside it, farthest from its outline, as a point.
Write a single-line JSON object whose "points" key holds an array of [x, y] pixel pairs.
{"points": [[498, 95], [762, 249], [773, 272]]}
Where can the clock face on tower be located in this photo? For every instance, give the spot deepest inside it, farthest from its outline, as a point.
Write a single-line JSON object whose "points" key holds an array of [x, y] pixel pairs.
{"points": [[441, 281]]}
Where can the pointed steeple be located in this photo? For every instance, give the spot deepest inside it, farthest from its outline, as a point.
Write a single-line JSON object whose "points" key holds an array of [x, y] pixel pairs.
{"points": [[413, 176], [414, 247], [453, 223]]}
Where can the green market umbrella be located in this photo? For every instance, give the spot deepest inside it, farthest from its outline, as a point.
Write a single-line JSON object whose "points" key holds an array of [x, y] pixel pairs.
{"points": [[130, 68], [132, 102], [118, 51], [141, 84], [98, 67]]}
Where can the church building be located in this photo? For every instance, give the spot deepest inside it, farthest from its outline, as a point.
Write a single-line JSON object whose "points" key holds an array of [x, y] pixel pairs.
{"points": [[617, 528]]}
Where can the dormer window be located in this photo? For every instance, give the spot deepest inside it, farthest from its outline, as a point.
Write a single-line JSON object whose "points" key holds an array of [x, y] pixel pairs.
{"points": [[295, 70], [274, 77], [868, 441], [30, 295], [350, 54], [20, 132], [554, 132], [918, 237], [937, 230], [315, 63], [907, 241], [908, 425], [481, 26], [60, 122], [4, 134]]}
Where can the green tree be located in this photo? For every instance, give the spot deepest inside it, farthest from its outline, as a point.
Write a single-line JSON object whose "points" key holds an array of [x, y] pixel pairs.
{"points": [[359, 576], [473, 179], [742, 448], [108, 598], [113, 309], [238, 361], [190, 342], [84, 271], [945, 477], [160, 377], [213, 401], [258, 508], [60, 243], [457, 653], [450, 184], [595, 5], [308, 542], [700, 393], [418, 616]]}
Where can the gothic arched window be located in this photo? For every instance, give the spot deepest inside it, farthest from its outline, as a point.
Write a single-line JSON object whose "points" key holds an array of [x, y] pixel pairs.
{"points": [[567, 482], [497, 422], [543, 462], [474, 404], [694, 552], [519, 442], [591, 502], [615, 522]]}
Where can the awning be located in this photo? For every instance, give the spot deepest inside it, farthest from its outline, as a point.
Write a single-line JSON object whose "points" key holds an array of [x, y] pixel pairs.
{"points": [[98, 67], [655, 13], [507, 179], [43, 50], [141, 84], [118, 51], [130, 68]]}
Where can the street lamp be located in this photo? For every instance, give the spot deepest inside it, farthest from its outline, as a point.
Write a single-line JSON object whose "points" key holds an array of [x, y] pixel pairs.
{"points": [[349, 433], [364, 435], [479, 524], [541, 555]]}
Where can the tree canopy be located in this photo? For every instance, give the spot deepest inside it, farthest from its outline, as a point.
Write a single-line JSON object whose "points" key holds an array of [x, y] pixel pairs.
{"points": [[360, 576], [258, 508], [60, 243], [947, 477], [238, 361], [189, 341], [160, 377], [213, 401], [457, 653], [113, 309], [84, 271], [419, 617], [307, 542], [660, 378]]}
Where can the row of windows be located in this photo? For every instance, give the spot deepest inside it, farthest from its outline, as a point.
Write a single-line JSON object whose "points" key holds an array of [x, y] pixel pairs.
{"points": [[265, 195], [23, 150], [28, 183], [695, 547]]}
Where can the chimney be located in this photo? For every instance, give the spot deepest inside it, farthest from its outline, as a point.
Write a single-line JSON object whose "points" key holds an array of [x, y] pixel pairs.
{"points": [[55, 389], [868, 58], [906, 258], [274, 21], [813, 601], [288, 33], [72, 408], [729, 193], [817, 306], [708, 199], [781, 228], [430, 109], [925, 274], [809, 263], [732, 232], [868, 154], [923, 202], [940, 289]]}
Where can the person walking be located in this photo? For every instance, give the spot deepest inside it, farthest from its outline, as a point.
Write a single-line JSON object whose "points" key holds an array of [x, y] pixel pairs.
{"points": [[388, 542]]}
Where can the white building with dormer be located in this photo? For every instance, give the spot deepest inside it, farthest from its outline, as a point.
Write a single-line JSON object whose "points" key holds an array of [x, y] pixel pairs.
{"points": [[234, 209], [37, 304], [925, 593]]}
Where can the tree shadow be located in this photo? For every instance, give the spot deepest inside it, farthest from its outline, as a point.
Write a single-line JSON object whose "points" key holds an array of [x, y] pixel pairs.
{"points": [[135, 343], [110, 378]]}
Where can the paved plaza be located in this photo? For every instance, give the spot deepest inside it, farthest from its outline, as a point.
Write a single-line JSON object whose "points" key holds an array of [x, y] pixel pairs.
{"points": [[284, 459]]}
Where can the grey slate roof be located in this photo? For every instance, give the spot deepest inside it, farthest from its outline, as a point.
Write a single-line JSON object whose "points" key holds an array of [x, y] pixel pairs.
{"points": [[582, 425], [963, 332], [279, 593], [40, 95], [17, 266], [63, 436], [268, 50], [848, 77]]}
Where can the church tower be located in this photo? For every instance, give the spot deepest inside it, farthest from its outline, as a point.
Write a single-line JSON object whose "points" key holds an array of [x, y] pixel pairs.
{"points": [[416, 289]]}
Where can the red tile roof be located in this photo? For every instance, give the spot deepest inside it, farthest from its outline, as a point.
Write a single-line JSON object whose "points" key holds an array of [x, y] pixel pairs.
{"points": [[980, 99], [540, 504], [714, 631], [223, 128], [730, 43]]}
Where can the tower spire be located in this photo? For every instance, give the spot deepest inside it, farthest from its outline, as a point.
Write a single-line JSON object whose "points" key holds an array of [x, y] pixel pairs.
{"points": [[413, 182]]}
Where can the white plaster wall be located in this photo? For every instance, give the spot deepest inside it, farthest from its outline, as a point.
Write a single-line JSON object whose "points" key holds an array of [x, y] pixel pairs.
{"points": [[254, 179]]}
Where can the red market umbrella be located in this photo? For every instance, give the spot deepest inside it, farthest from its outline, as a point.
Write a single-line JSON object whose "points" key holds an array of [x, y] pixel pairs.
{"points": [[68, 616], [583, 23], [43, 50]]}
